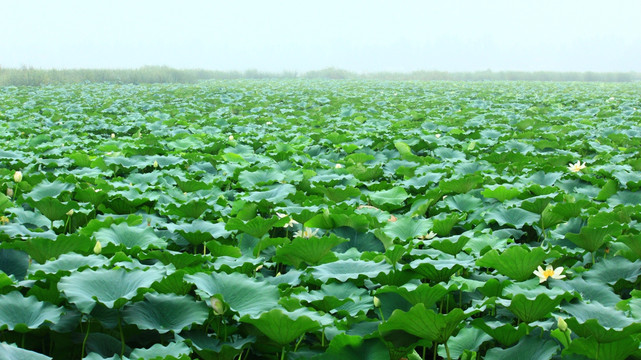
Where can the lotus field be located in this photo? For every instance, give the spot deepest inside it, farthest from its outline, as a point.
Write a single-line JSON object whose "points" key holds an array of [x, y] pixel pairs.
{"points": [[321, 220]]}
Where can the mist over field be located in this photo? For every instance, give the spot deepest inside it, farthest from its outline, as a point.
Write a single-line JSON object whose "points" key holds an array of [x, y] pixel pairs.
{"points": [[293, 36]]}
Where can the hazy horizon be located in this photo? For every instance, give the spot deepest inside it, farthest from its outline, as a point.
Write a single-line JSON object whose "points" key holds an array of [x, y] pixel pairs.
{"points": [[358, 36]]}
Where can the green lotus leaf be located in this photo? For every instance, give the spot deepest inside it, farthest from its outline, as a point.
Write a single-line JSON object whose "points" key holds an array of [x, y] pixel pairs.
{"points": [[555, 214], [15, 230], [625, 198], [395, 196], [544, 179], [112, 288], [339, 194], [461, 185], [505, 333], [276, 194], [346, 347], [421, 294], [425, 323], [405, 228], [592, 238], [19, 313], [468, 339], [343, 270], [439, 270], [312, 251], [422, 181], [14, 262], [332, 296], [528, 348], [199, 231], [13, 352], [101, 346], [515, 217], [463, 202], [54, 209], [339, 217], [241, 293], [501, 193], [191, 210], [452, 245], [49, 189], [256, 227], [129, 237], [361, 241], [68, 263], [281, 326], [41, 250], [29, 217], [615, 350], [178, 350], [587, 290], [516, 262], [529, 310], [166, 312], [442, 225], [251, 180], [611, 270], [449, 154], [602, 323], [211, 348]]}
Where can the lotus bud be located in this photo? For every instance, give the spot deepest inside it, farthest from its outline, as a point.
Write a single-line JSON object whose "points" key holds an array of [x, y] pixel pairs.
{"points": [[259, 268], [437, 136], [338, 166], [113, 136], [155, 164], [98, 248], [563, 326], [10, 192], [217, 306], [231, 137], [17, 176], [69, 213], [377, 302]]}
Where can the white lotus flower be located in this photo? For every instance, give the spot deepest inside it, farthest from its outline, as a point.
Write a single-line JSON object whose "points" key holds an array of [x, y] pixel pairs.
{"points": [[338, 166], [549, 272], [98, 248], [438, 136], [291, 222], [17, 176], [428, 236], [231, 137], [576, 167], [113, 136], [306, 233]]}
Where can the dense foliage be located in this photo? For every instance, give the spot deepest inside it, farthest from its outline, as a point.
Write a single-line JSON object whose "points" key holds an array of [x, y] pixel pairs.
{"points": [[320, 220]]}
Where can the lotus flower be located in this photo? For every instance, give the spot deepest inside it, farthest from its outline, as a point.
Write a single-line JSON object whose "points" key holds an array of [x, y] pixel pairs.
{"points": [[577, 166], [17, 176], [291, 222], [549, 272], [98, 248], [305, 233]]}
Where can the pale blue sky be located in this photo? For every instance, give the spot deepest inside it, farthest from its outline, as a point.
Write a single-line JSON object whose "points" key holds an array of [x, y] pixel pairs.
{"points": [[357, 35]]}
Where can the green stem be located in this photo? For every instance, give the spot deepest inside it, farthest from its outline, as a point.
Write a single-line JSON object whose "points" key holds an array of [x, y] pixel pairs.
{"points": [[323, 338], [447, 351], [84, 341], [424, 349], [122, 336], [593, 258], [282, 355], [22, 341], [298, 343], [434, 345], [382, 316]]}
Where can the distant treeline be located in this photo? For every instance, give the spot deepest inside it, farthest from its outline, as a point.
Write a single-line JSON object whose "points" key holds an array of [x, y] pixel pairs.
{"points": [[162, 74]]}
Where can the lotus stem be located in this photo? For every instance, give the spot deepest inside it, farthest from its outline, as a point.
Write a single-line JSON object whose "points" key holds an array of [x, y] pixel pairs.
{"points": [[122, 336], [447, 351], [298, 343], [84, 341], [282, 355]]}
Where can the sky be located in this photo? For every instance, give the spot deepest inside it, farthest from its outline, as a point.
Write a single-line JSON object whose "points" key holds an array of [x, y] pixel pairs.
{"points": [[304, 35]]}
